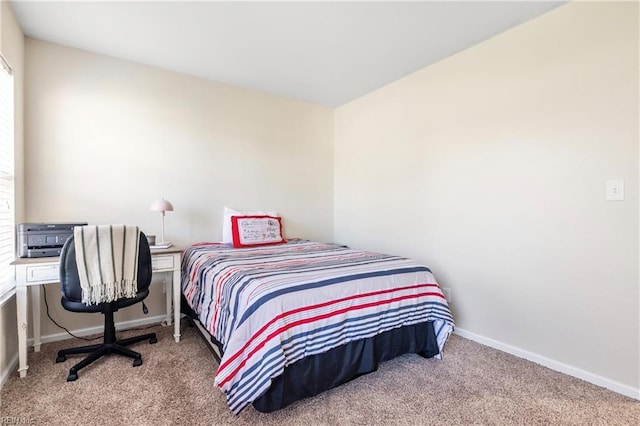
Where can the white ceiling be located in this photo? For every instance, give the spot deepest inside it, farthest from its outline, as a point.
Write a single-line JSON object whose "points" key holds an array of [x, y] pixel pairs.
{"points": [[321, 52]]}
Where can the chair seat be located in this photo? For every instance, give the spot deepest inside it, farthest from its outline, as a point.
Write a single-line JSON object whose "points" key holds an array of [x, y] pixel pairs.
{"points": [[74, 306]]}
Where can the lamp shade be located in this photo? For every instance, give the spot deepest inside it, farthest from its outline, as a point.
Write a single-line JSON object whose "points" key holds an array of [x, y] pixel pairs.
{"points": [[162, 205]]}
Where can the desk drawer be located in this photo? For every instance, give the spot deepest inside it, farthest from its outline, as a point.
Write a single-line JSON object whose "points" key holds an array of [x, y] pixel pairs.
{"points": [[43, 273], [161, 262]]}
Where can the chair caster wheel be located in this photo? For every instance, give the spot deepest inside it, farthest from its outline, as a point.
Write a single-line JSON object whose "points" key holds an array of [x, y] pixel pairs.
{"points": [[153, 340], [61, 358], [137, 362], [72, 377]]}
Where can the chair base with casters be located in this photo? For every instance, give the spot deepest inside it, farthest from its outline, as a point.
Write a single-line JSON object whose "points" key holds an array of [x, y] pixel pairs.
{"points": [[109, 345]]}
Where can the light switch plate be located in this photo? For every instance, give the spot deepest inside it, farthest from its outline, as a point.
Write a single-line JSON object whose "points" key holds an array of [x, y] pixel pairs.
{"points": [[615, 190]]}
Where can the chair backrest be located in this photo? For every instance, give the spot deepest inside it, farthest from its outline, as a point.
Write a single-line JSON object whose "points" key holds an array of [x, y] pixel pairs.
{"points": [[70, 282]]}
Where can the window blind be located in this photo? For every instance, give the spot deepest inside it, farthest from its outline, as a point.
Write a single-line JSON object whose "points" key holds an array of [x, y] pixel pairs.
{"points": [[7, 179]]}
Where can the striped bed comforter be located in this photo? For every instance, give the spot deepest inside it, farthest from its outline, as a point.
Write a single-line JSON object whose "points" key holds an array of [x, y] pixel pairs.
{"points": [[271, 306]]}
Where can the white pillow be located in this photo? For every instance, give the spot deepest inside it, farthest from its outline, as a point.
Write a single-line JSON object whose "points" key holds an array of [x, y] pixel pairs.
{"points": [[227, 236]]}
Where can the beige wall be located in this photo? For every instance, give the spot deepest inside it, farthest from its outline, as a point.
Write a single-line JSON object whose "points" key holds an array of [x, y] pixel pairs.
{"points": [[490, 166], [106, 137], [12, 47]]}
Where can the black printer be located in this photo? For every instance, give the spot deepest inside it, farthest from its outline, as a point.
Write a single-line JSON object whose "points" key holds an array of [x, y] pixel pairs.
{"points": [[43, 239]]}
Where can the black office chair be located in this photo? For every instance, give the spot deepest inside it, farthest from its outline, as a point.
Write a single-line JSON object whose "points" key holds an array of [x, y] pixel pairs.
{"points": [[72, 301]]}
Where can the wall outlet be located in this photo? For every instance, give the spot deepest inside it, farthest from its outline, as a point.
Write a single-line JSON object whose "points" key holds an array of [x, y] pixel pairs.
{"points": [[448, 293]]}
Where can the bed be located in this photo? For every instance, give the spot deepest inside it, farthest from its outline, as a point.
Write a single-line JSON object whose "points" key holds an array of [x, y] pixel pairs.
{"points": [[294, 319]]}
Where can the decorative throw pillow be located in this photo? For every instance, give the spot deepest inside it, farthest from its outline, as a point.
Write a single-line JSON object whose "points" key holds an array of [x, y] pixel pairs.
{"points": [[250, 231], [227, 237]]}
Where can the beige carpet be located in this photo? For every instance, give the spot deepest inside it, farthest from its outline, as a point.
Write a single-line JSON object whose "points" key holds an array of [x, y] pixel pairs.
{"points": [[474, 384]]}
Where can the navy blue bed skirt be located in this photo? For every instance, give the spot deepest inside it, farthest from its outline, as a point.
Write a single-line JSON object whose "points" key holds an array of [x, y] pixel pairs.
{"points": [[318, 373]]}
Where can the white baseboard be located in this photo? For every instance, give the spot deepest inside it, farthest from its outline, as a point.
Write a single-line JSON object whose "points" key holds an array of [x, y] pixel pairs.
{"points": [[11, 367], [123, 325], [552, 364]]}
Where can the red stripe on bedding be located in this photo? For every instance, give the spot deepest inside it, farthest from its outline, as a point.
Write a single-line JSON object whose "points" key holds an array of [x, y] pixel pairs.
{"points": [[316, 318]]}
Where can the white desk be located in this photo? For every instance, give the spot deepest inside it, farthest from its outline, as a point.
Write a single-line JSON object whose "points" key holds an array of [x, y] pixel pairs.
{"points": [[45, 270]]}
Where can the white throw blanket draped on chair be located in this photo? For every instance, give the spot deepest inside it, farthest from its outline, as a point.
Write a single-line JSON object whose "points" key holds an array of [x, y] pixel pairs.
{"points": [[107, 259]]}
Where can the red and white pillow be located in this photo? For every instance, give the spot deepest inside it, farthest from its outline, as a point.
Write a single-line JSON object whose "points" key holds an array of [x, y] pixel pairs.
{"points": [[257, 230], [227, 236]]}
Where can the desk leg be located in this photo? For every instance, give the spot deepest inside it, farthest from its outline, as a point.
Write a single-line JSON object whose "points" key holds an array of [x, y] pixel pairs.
{"points": [[176, 303], [35, 311], [21, 307], [168, 293]]}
